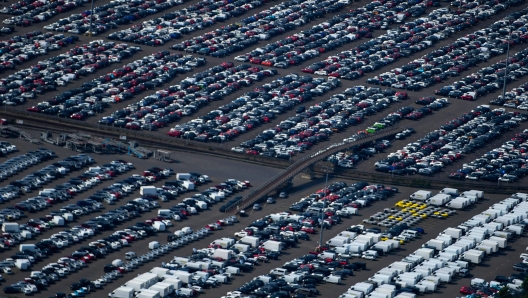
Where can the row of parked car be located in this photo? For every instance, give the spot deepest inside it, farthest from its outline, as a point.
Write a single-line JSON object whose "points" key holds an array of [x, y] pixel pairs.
{"points": [[43, 176], [300, 277], [110, 16], [488, 79], [276, 20], [515, 98], [173, 25], [192, 93], [447, 144], [30, 12], [250, 110], [315, 124], [119, 85], [33, 226], [318, 122], [21, 162], [466, 52], [454, 250], [7, 148], [59, 70], [506, 163], [21, 48], [99, 248], [333, 33], [410, 214], [188, 276], [409, 38]]}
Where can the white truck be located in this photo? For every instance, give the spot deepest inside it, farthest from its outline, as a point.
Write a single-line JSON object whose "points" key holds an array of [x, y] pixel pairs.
{"points": [[453, 232], [271, 245], [437, 244], [184, 276], [502, 242], [10, 227], [439, 200], [459, 203], [478, 194], [28, 247], [364, 287], [224, 242], [421, 195], [188, 185], [164, 289], [148, 190], [223, 254], [426, 253], [338, 241], [493, 244], [347, 234], [250, 240], [426, 287], [122, 292], [450, 191], [147, 293], [473, 256], [183, 176], [402, 266], [385, 247], [380, 279], [159, 271]]}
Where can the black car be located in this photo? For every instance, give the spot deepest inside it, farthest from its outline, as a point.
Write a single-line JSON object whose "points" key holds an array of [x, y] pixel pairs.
{"points": [[502, 279], [12, 289], [521, 267]]}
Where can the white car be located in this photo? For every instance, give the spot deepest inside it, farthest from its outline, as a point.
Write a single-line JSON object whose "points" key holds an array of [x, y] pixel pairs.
{"points": [[368, 257], [99, 283], [241, 234], [167, 222], [242, 58]]}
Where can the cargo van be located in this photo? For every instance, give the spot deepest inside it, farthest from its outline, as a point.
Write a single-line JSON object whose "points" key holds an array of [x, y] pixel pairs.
{"points": [[333, 279], [450, 191]]}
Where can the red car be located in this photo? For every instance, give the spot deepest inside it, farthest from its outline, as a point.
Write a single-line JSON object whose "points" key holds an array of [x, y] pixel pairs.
{"points": [[288, 228], [467, 290], [308, 230]]}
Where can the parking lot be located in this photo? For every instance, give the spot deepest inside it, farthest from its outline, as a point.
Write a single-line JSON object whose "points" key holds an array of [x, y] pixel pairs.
{"points": [[495, 265], [262, 90]]}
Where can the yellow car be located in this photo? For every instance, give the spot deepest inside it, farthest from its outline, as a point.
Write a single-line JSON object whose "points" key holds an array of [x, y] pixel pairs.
{"points": [[399, 218], [400, 204], [423, 215], [402, 242], [384, 238], [412, 211], [391, 217], [445, 214], [421, 207], [405, 210]]}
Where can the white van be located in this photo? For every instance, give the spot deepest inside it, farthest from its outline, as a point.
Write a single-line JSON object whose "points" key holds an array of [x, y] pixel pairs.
{"points": [[411, 233], [279, 271], [333, 279]]}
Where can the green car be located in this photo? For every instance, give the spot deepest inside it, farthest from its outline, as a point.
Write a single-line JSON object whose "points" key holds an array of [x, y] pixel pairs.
{"points": [[371, 129], [379, 125]]}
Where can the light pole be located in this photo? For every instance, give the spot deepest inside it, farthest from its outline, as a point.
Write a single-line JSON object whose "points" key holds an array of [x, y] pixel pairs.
{"points": [[322, 212], [506, 69], [91, 18]]}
